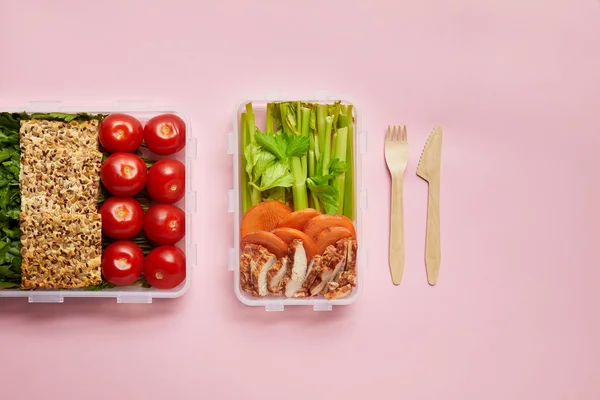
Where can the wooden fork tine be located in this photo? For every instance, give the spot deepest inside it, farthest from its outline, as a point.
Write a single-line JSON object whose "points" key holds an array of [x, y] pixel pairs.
{"points": [[388, 135], [404, 134]]}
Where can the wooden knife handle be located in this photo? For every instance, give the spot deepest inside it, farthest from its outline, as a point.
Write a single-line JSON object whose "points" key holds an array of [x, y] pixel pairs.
{"points": [[433, 256], [397, 231]]}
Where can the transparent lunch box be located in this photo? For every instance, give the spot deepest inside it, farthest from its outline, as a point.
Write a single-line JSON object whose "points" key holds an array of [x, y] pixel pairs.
{"points": [[278, 303], [125, 294]]}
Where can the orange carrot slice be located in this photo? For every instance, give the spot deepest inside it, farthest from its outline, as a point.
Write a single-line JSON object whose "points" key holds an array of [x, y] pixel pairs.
{"points": [[289, 234], [268, 240], [316, 225], [298, 219], [264, 217], [330, 236]]}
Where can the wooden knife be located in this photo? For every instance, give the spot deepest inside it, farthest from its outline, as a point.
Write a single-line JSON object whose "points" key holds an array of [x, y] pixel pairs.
{"points": [[429, 170]]}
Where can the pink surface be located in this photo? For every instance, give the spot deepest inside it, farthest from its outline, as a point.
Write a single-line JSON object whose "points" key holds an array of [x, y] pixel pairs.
{"points": [[516, 86]]}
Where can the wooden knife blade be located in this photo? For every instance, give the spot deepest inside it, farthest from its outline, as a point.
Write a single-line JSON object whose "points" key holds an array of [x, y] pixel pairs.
{"points": [[429, 169]]}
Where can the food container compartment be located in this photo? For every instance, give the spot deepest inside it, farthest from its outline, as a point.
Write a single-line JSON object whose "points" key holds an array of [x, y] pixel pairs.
{"points": [[278, 302], [126, 294]]}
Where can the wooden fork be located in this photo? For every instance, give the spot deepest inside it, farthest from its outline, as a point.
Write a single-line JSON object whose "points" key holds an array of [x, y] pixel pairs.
{"points": [[396, 157]]}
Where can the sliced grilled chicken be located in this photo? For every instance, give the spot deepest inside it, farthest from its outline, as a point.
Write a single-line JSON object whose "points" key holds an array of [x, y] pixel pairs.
{"points": [[348, 275], [260, 270], [331, 286], [276, 274], [301, 293], [347, 278], [351, 257], [342, 250], [339, 293], [248, 259], [313, 271], [296, 269], [331, 263]]}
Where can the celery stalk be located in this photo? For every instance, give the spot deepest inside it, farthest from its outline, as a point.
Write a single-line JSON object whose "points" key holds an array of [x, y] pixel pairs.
{"points": [[245, 189], [327, 144], [349, 185], [255, 196], [270, 120], [312, 170], [292, 123], [299, 192], [304, 126], [321, 123], [340, 152]]}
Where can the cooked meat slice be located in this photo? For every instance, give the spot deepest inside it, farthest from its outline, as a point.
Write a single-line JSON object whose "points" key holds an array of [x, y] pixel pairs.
{"points": [[253, 260], [60, 251], [330, 262], [248, 258], [301, 293], [276, 274], [341, 292], [351, 257], [43, 134], [342, 250], [347, 278], [260, 270], [322, 279], [312, 272], [348, 275], [331, 286], [296, 269]]}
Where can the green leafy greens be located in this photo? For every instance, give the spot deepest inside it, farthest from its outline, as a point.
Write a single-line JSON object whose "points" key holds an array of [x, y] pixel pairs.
{"points": [[10, 200], [306, 153]]}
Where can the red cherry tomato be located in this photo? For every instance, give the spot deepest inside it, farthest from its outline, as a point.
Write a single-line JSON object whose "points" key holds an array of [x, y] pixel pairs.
{"points": [[121, 132], [165, 134], [122, 262], [122, 217], [164, 267], [124, 174], [166, 181], [164, 224]]}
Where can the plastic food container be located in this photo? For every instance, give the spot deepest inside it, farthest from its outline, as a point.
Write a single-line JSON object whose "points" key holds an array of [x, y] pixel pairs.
{"points": [[278, 303], [125, 294]]}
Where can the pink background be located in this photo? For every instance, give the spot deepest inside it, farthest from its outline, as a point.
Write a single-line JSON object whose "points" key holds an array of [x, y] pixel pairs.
{"points": [[516, 86]]}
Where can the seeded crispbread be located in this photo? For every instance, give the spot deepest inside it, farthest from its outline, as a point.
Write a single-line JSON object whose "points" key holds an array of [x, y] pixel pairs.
{"points": [[60, 251], [54, 179], [74, 136]]}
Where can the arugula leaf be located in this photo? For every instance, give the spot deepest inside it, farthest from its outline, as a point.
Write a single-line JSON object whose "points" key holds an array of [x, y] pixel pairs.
{"points": [[67, 117], [107, 285], [9, 285], [10, 200]]}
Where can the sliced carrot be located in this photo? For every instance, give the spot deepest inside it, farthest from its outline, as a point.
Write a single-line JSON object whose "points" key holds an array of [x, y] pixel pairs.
{"points": [[289, 234], [330, 236], [264, 217], [298, 219], [267, 240], [321, 222]]}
